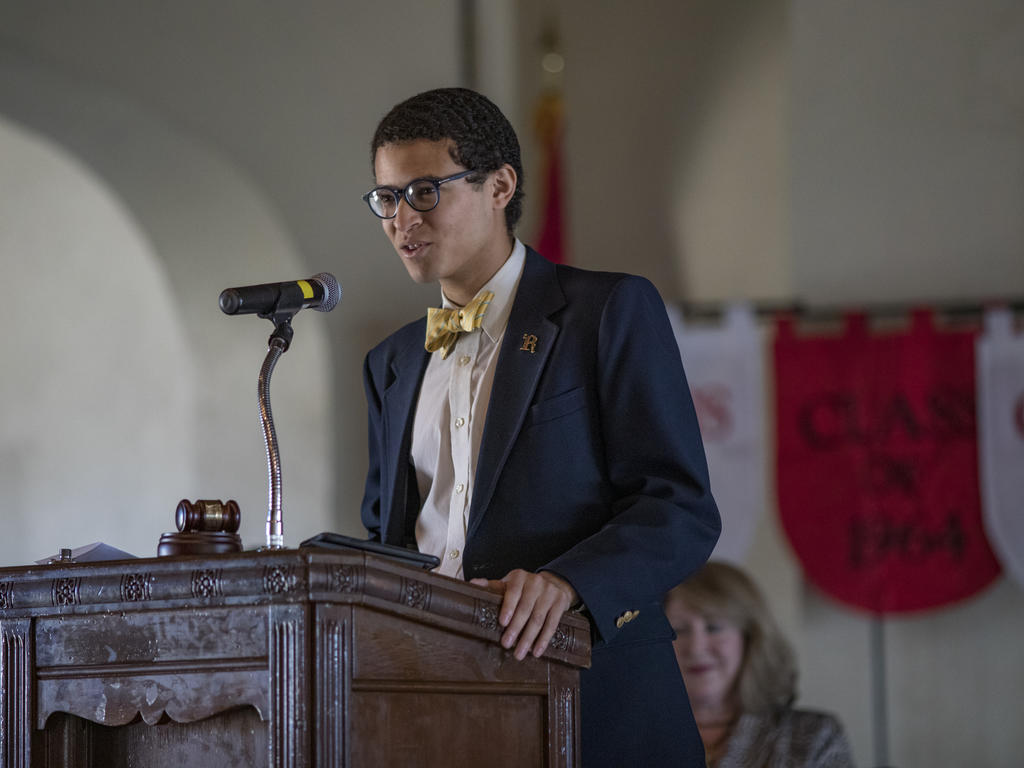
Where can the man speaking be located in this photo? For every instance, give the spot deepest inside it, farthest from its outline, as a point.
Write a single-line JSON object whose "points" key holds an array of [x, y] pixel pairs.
{"points": [[535, 431]]}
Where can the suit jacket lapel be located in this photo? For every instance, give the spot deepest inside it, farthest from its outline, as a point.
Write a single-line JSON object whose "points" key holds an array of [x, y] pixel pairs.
{"points": [[398, 406], [517, 374]]}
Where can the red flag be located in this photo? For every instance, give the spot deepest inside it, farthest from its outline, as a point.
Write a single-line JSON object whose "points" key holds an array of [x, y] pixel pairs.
{"points": [[877, 464], [550, 240]]}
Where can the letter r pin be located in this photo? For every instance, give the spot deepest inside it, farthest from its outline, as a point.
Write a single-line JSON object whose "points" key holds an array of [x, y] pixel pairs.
{"points": [[529, 343]]}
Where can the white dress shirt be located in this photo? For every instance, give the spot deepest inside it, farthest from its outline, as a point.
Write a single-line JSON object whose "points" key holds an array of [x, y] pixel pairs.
{"points": [[449, 422]]}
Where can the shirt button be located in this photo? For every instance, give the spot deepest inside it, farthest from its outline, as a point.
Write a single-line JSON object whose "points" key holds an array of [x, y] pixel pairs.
{"points": [[453, 555], [459, 421], [464, 360], [460, 488]]}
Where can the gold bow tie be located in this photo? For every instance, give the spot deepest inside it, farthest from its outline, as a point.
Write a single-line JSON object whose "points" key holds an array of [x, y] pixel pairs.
{"points": [[445, 325]]}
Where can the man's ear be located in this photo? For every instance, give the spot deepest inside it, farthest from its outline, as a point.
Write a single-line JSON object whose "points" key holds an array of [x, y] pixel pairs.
{"points": [[503, 185]]}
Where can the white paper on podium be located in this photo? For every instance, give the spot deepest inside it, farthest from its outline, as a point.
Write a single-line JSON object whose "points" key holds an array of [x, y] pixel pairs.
{"points": [[91, 553]]}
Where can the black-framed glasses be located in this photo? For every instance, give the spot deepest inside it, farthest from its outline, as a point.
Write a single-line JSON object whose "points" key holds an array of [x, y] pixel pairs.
{"points": [[421, 194]]}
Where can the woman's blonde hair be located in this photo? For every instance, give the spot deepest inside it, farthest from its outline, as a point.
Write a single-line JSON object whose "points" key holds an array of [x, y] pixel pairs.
{"points": [[767, 677]]}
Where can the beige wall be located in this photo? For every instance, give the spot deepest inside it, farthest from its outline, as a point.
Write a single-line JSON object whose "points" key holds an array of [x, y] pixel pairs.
{"points": [[907, 155], [80, 378], [236, 140], [830, 151], [154, 421]]}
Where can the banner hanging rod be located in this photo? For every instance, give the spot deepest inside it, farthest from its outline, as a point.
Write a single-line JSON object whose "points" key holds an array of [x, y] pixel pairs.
{"points": [[712, 310]]}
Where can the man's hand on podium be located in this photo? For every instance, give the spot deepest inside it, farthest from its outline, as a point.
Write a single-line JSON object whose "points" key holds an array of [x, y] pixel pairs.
{"points": [[532, 605]]}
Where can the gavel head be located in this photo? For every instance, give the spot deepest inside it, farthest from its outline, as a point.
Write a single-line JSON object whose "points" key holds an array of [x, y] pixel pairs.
{"points": [[208, 515]]}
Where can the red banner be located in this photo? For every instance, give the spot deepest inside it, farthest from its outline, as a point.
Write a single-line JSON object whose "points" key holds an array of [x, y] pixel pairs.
{"points": [[551, 237], [877, 464]]}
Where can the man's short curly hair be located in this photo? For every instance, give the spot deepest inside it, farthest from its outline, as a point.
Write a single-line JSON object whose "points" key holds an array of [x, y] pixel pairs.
{"points": [[482, 137]]}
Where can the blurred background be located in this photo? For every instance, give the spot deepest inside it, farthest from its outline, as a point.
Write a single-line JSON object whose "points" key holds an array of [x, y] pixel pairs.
{"points": [[826, 152]]}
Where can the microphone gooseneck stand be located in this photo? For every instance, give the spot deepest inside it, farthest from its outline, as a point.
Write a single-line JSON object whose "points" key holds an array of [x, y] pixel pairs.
{"points": [[278, 303], [277, 345]]}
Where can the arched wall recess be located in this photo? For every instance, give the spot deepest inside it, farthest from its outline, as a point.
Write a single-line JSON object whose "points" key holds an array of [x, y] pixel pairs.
{"points": [[199, 226]]}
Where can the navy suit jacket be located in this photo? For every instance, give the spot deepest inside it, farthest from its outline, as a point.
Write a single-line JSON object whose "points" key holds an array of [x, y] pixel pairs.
{"points": [[590, 466]]}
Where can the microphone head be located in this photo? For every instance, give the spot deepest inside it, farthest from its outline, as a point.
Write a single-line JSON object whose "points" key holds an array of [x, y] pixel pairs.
{"points": [[229, 301], [332, 291]]}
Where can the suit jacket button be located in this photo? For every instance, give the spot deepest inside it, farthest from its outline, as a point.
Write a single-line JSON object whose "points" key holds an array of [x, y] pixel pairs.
{"points": [[625, 618]]}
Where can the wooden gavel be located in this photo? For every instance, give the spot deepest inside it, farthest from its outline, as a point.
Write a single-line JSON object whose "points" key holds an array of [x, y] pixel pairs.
{"points": [[205, 527], [207, 515]]}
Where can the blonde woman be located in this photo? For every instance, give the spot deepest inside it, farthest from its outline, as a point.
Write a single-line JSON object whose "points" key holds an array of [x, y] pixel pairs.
{"points": [[740, 674]]}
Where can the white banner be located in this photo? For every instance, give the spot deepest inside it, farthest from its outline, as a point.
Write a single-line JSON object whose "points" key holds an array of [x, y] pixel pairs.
{"points": [[725, 369], [1000, 369]]}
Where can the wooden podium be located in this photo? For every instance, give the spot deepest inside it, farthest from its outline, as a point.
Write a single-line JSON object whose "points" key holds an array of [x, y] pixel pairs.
{"points": [[282, 658]]}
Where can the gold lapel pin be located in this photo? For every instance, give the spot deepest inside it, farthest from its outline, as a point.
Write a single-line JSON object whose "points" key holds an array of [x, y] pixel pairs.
{"points": [[529, 343]]}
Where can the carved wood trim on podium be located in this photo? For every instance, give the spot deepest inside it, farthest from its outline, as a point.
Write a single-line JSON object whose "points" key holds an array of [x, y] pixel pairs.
{"points": [[287, 658], [15, 674], [289, 730]]}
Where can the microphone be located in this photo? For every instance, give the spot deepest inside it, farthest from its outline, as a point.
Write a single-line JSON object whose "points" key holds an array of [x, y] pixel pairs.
{"points": [[320, 292]]}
